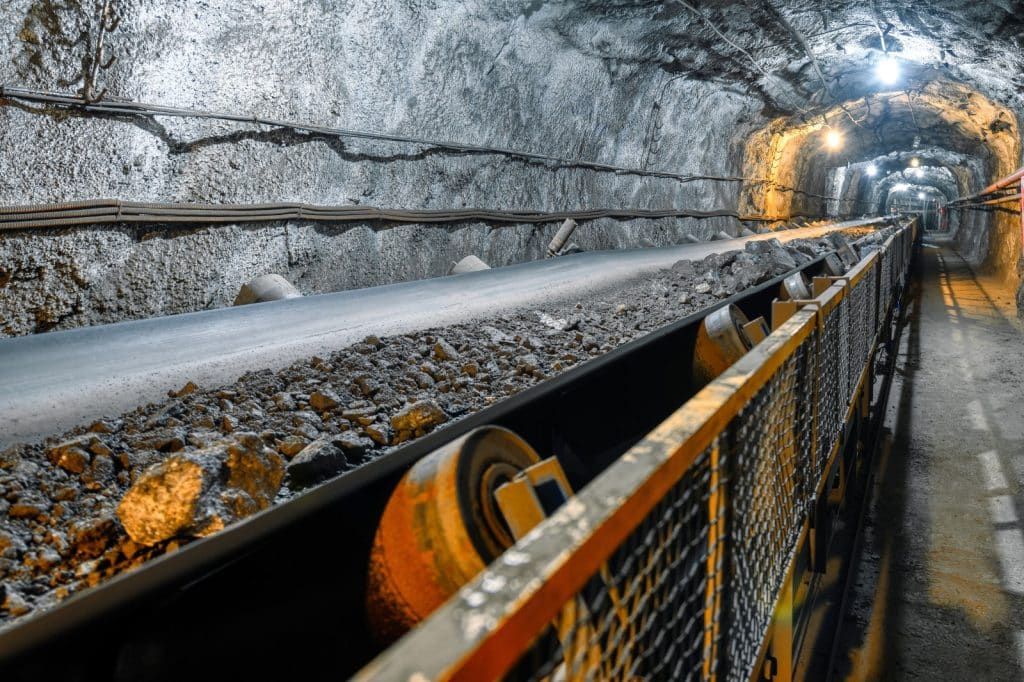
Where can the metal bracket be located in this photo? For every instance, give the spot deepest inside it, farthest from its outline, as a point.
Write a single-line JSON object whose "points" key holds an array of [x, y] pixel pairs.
{"points": [[532, 496], [756, 330], [821, 283]]}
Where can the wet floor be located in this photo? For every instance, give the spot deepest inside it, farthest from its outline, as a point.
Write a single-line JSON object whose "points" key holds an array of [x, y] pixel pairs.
{"points": [[939, 589]]}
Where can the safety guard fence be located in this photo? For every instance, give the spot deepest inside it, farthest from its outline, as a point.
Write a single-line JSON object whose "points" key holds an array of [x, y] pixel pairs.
{"points": [[675, 562]]}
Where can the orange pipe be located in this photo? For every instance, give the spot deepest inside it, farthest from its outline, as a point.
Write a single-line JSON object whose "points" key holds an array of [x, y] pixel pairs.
{"points": [[1005, 182], [1017, 175]]}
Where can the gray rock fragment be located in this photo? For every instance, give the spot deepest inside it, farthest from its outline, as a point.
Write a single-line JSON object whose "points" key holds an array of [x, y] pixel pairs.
{"points": [[317, 461], [445, 351], [354, 447], [684, 268], [324, 400]]}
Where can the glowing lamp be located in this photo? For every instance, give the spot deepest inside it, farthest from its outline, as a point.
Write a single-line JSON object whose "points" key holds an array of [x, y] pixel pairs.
{"points": [[888, 71]]}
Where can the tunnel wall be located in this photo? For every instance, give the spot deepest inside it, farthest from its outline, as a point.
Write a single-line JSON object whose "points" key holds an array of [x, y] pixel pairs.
{"points": [[639, 84], [567, 80], [994, 241], [97, 276]]}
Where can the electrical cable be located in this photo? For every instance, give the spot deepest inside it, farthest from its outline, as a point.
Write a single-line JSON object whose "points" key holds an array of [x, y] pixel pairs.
{"points": [[128, 108], [108, 211], [142, 212]]}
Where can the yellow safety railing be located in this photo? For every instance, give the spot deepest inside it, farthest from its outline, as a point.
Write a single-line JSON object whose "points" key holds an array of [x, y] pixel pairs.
{"points": [[678, 561]]}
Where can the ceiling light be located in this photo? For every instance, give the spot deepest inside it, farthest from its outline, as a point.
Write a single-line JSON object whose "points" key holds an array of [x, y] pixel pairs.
{"points": [[888, 71], [915, 162], [833, 139], [920, 195], [871, 170]]}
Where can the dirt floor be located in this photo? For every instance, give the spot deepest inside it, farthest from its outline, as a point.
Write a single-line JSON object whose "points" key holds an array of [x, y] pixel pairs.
{"points": [[939, 589]]}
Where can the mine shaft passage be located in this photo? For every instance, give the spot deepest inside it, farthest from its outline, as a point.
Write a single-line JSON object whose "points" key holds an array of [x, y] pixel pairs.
{"points": [[524, 340]]}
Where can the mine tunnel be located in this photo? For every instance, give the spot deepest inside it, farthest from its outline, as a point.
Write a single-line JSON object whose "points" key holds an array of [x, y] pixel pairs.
{"points": [[511, 340]]}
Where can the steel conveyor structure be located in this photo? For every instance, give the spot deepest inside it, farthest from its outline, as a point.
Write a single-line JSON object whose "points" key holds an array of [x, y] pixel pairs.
{"points": [[703, 552], [283, 593]]}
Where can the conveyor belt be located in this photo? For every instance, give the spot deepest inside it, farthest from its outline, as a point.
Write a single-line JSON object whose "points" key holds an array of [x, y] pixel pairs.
{"points": [[52, 382], [300, 564]]}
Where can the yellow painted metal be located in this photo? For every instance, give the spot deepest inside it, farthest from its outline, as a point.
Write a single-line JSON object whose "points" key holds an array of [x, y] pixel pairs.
{"points": [[440, 528], [721, 341], [523, 511], [715, 564], [820, 284], [518, 501], [782, 311], [572, 546], [756, 330]]}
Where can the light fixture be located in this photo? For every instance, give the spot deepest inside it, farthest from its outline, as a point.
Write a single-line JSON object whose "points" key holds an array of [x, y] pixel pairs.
{"points": [[915, 162], [871, 170], [920, 195], [888, 71], [833, 140]]}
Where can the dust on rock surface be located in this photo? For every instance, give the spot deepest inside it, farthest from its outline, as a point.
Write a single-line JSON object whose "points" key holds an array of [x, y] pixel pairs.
{"points": [[81, 508]]}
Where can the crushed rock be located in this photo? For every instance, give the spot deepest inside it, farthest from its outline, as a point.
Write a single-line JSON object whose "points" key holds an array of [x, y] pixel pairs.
{"points": [[87, 505]]}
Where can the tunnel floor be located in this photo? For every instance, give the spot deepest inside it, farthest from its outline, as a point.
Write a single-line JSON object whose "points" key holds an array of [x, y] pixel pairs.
{"points": [[938, 592]]}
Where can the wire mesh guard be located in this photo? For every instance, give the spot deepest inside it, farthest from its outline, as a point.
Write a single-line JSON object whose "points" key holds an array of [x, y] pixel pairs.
{"points": [[651, 612], [773, 475], [831, 389], [659, 608], [692, 591]]}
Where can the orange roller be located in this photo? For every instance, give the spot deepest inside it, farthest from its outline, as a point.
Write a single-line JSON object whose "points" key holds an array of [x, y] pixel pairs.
{"points": [[441, 527], [721, 341]]}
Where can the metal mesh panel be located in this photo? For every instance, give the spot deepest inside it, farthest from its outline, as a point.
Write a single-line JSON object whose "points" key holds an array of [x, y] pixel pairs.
{"points": [[860, 330], [691, 593], [885, 297], [652, 610], [772, 477], [849, 330], [873, 322], [842, 312], [829, 391]]}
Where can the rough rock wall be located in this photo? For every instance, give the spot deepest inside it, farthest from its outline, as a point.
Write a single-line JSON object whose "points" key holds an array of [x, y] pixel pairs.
{"points": [[91, 276], [1004, 248], [559, 78]]}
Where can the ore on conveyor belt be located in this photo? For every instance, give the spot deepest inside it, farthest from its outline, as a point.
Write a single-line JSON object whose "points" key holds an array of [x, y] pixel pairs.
{"points": [[94, 502]]}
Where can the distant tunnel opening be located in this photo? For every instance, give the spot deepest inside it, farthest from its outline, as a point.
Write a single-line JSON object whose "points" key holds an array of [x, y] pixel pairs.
{"points": [[913, 150]]}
